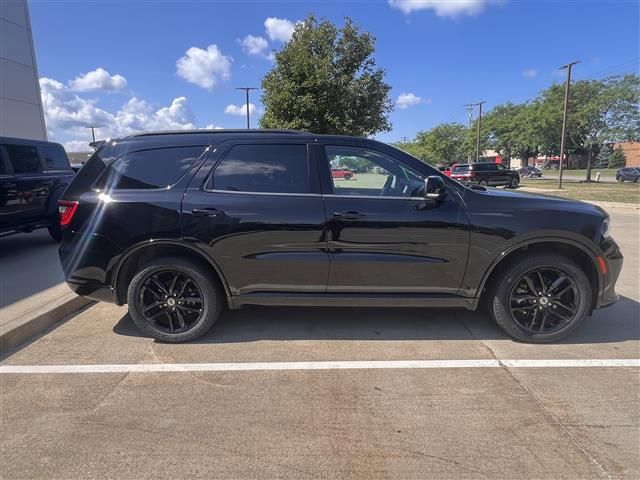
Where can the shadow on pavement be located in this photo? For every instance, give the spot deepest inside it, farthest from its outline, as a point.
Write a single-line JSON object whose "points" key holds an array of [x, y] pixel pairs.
{"points": [[618, 323], [29, 264]]}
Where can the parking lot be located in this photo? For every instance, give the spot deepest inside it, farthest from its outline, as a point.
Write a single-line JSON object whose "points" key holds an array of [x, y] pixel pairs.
{"points": [[235, 410]]}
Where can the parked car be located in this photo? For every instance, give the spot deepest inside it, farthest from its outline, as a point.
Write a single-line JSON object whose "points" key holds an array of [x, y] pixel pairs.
{"points": [[530, 171], [182, 225], [628, 174], [341, 173], [486, 174], [445, 169], [33, 175]]}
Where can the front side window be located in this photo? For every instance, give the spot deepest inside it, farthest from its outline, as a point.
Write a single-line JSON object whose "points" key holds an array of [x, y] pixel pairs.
{"points": [[144, 169], [371, 173], [23, 158], [263, 169]]}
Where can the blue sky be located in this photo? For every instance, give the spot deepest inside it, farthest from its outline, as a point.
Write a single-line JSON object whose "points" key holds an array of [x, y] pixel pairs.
{"points": [[170, 64]]}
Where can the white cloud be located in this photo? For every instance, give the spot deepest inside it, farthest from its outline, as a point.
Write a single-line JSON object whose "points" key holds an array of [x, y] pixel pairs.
{"points": [[98, 79], [240, 109], [77, 146], [530, 73], [406, 100], [255, 45], [68, 115], [279, 29], [211, 126], [205, 68], [443, 8]]}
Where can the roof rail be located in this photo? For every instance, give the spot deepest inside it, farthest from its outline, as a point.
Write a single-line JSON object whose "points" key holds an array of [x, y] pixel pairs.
{"points": [[220, 131]]}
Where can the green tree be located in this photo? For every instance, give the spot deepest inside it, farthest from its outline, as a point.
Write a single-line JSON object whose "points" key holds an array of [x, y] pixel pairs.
{"points": [[617, 159], [325, 80], [444, 143], [600, 112], [509, 129]]}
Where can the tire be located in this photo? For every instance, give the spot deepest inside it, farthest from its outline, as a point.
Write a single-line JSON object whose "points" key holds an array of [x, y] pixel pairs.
{"points": [[483, 183], [348, 176], [522, 324], [201, 315], [620, 179], [54, 229], [514, 183]]}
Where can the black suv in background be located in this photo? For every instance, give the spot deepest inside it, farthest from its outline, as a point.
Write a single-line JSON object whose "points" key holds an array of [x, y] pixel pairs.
{"points": [[628, 174], [486, 174], [33, 176], [181, 225]]}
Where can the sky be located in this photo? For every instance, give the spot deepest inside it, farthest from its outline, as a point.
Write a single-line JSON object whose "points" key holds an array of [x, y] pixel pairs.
{"points": [[135, 65]]}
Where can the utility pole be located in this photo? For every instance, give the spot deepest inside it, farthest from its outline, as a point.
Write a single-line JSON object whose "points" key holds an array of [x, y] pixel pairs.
{"points": [[564, 116], [469, 107], [404, 139], [478, 131], [247, 90], [93, 133]]}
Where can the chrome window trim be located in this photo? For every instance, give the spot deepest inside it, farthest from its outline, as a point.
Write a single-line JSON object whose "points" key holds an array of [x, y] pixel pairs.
{"points": [[333, 195], [273, 194]]}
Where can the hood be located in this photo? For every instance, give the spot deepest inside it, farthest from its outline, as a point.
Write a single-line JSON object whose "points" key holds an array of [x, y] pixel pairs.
{"points": [[502, 199]]}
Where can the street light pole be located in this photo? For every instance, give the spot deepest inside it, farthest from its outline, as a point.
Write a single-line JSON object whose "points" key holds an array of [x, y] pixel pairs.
{"points": [[564, 117], [478, 131], [469, 107], [93, 133], [247, 90]]}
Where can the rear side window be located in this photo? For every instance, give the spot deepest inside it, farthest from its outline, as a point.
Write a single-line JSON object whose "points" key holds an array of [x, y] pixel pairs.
{"points": [[23, 158], [156, 168], [263, 168], [54, 157]]}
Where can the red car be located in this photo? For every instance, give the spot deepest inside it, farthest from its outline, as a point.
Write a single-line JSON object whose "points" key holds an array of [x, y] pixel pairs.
{"points": [[341, 173]]}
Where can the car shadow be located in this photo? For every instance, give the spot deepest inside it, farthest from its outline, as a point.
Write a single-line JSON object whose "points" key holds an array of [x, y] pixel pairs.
{"points": [[618, 323], [29, 264]]}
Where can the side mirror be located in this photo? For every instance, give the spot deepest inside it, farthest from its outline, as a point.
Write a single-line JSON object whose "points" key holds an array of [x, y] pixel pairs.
{"points": [[434, 188]]}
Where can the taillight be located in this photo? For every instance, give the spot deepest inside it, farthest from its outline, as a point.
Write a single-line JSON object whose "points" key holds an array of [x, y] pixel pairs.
{"points": [[66, 209]]}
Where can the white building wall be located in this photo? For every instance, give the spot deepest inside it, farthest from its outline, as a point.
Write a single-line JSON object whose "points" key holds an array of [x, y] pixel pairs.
{"points": [[21, 113]]}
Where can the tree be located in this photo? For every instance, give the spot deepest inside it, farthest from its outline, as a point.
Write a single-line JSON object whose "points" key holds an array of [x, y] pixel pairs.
{"points": [[325, 81], [510, 130], [444, 143], [617, 159], [601, 111]]}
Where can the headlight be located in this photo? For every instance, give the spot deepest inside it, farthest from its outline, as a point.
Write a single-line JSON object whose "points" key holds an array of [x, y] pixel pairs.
{"points": [[605, 229]]}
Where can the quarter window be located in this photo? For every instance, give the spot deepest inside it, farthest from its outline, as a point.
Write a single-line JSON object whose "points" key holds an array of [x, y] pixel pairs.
{"points": [[263, 168], [157, 168], [24, 159], [371, 173]]}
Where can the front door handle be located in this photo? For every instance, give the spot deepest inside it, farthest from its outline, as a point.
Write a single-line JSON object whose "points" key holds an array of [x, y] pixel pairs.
{"points": [[348, 215], [204, 212]]}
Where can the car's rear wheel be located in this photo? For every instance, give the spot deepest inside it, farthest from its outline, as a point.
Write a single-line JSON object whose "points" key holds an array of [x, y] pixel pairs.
{"points": [[620, 178], [174, 300], [541, 298], [54, 229]]}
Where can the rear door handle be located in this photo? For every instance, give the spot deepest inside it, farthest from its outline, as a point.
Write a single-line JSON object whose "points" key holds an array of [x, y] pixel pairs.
{"points": [[204, 212], [348, 215]]}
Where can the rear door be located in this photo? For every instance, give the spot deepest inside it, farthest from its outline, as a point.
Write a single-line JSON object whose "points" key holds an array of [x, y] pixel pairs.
{"points": [[256, 209], [31, 187]]}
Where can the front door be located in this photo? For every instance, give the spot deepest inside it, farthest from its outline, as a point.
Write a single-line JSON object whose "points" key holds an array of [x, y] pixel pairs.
{"points": [[256, 209], [382, 234]]}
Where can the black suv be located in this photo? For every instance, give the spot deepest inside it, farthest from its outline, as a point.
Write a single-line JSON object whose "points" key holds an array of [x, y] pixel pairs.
{"points": [[181, 225], [33, 176], [486, 174]]}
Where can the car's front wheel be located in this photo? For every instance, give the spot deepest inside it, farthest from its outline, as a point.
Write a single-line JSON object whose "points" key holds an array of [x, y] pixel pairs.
{"points": [[174, 300], [514, 183], [483, 183], [620, 178], [541, 298]]}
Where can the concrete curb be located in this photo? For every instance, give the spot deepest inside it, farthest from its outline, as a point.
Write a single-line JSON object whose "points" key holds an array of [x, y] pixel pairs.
{"points": [[27, 326]]}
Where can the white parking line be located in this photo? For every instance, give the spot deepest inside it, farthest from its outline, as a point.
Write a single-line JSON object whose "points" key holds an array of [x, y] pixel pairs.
{"points": [[336, 365]]}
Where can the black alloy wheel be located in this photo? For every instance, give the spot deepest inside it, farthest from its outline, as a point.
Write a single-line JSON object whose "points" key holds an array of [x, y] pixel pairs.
{"points": [[544, 300], [171, 301], [540, 297], [175, 300]]}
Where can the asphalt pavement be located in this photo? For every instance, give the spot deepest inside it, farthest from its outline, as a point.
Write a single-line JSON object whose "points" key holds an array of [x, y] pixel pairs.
{"points": [[578, 417]]}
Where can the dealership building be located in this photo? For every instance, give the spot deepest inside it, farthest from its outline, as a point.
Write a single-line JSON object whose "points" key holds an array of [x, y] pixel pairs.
{"points": [[21, 113]]}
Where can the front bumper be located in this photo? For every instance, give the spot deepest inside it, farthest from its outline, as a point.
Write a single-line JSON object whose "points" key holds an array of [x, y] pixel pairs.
{"points": [[613, 260]]}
